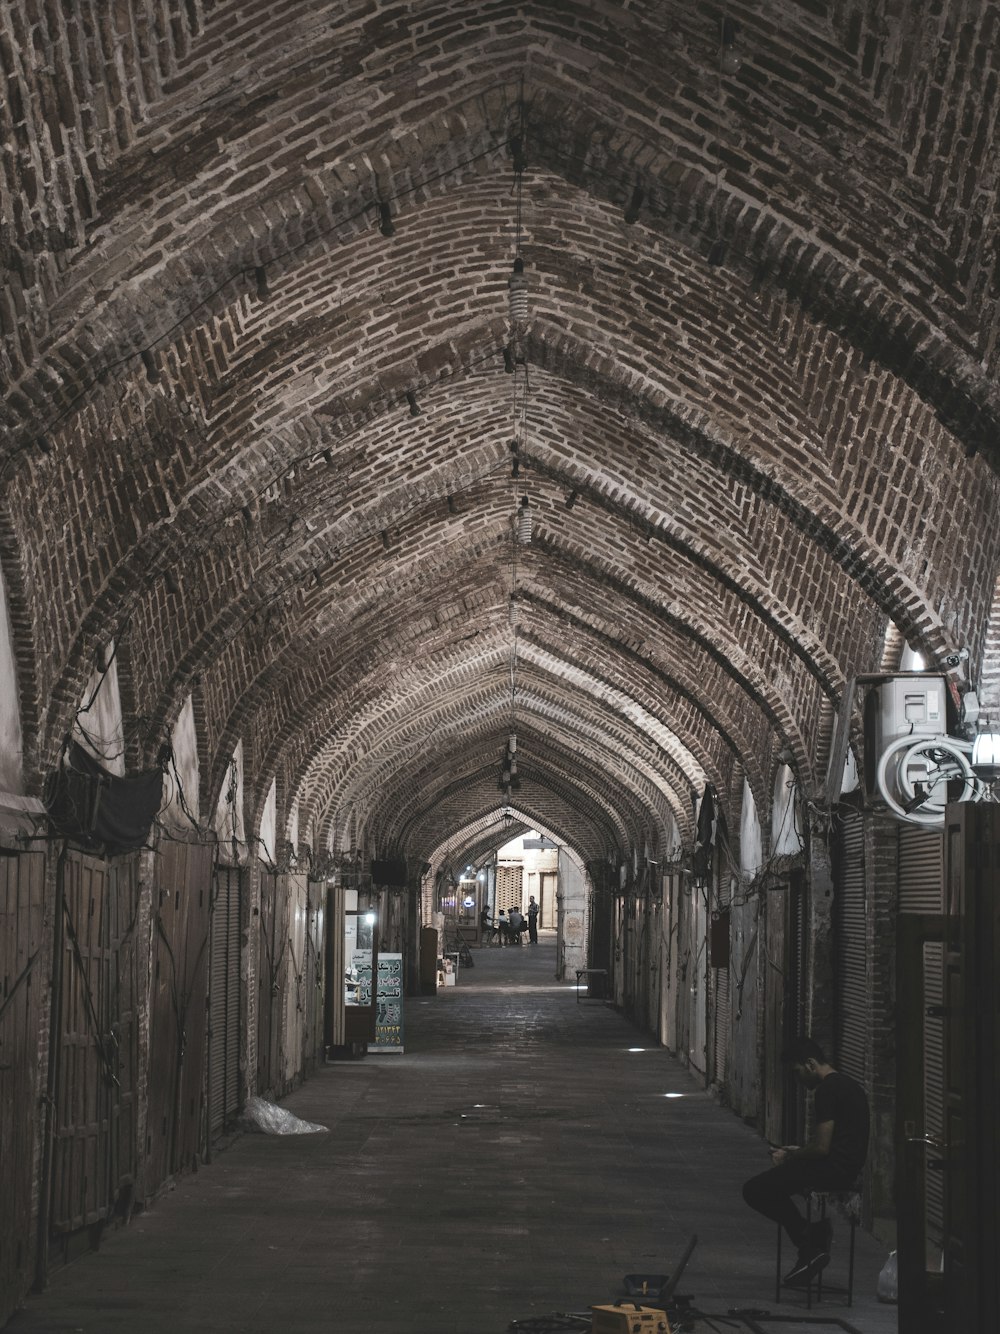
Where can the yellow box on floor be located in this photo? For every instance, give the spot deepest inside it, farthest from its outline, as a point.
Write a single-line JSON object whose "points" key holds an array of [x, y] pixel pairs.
{"points": [[627, 1318]]}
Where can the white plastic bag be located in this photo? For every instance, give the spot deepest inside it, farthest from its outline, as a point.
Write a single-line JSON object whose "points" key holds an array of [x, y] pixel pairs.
{"points": [[272, 1120], [888, 1280]]}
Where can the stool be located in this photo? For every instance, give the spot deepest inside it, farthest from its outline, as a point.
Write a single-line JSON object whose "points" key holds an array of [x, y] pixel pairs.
{"points": [[848, 1203]]}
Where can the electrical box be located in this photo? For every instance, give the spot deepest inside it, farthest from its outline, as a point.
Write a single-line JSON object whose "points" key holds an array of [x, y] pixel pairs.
{"points": [[906, 705], [628, 1318], [912, 706]]}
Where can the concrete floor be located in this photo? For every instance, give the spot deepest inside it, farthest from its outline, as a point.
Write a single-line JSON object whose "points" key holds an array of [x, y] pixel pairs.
{"points": [[519, 1159]]}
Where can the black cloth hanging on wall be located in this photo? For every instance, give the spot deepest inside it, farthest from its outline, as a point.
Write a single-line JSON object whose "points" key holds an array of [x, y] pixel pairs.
{"points": [[98, 809], [389, 871], [705, 840]]}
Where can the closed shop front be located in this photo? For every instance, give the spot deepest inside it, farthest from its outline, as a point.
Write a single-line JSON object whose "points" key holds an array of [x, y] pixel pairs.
{"points": [[851, 954], [22, 884], [225, 1009], [99, 974], [178, 1028]]}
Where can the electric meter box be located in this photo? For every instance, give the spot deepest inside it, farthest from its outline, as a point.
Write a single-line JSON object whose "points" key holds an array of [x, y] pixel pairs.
{"points": [[912, 706], [907, 705]]}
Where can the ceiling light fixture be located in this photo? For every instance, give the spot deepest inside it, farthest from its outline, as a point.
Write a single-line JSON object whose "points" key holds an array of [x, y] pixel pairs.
{"points": [[411, 399], [260, 277], [517, 289], [986, 756], [524, 522], [385, 223]]}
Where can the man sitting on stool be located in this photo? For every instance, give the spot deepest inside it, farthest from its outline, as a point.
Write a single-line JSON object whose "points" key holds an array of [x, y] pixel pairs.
{"points": [[515, 923], [831, 1160]]}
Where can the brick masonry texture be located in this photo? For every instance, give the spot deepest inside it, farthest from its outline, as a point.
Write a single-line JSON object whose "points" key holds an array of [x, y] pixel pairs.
{"points": [[743, 475]]}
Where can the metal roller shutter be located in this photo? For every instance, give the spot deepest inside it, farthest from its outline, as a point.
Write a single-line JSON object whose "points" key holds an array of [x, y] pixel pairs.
{"points": [[720, 1000], [921, 890], [851, 953]]}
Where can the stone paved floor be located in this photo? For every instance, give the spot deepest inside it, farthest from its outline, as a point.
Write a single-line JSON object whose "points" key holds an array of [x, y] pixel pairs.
{"points": [[518, 1159]]}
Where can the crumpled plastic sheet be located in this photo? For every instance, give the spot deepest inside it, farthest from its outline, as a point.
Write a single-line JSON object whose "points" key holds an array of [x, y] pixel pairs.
{"points": [[888, 1280], [272, 1120]]}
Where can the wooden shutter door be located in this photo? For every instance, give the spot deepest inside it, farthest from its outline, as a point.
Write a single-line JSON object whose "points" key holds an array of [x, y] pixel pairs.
{"points": [[22, 882], [224, 1005]]}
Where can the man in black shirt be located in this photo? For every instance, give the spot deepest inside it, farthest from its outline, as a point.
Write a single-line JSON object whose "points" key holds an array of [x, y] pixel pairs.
{"points": [[831, 1160]]}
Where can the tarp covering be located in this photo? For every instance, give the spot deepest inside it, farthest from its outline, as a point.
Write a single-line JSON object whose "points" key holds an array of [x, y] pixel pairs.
{"points": [[99, 810]]}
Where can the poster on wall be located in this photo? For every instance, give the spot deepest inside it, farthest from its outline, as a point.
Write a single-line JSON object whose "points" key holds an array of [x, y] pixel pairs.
{"points": [[388, 997]]}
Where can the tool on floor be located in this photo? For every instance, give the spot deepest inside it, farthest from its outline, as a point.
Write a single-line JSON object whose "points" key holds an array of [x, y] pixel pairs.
{"points": [[659, 1289], [648, 1305]]}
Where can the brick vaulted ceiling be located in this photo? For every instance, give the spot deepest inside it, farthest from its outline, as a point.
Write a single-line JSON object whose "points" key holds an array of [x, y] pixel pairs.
{"points": [[770, 392]]}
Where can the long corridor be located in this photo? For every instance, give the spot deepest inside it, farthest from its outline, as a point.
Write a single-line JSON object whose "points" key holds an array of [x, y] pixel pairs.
{"points": [[522, 1155]]}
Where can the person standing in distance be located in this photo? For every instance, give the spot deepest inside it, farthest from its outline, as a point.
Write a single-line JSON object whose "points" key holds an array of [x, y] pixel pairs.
{"points": [[532, 921], [831, 1160]]}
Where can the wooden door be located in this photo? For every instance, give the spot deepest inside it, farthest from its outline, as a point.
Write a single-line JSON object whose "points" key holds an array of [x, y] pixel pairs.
{"points": [[295, 983], [548, 882], [225, 1002], [178, 1026], [653, 929], [272, 964], [667, 1029], [128, 963], [94, 1156], [312, 1042], [22, 979], [697, 978]]}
